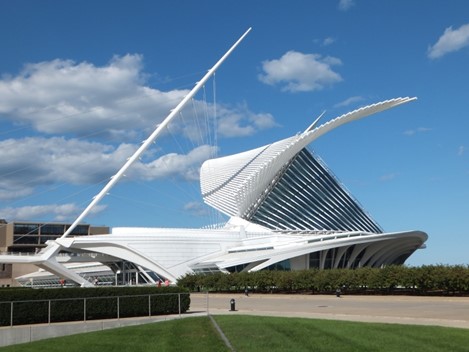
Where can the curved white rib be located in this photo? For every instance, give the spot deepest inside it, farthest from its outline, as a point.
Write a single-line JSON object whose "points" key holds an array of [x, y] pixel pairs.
{"points": [[233, 184]]}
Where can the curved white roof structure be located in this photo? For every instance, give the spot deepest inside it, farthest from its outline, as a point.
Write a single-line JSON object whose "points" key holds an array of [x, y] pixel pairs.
{"points": [[234, 183]]}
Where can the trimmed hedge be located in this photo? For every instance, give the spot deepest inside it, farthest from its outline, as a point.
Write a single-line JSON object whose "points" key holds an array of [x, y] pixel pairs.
{"points": [[424, 280], [31, 306]]}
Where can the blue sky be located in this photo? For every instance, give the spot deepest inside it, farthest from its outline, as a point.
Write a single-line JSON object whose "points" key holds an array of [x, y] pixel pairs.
{"points": [[82, 83]]}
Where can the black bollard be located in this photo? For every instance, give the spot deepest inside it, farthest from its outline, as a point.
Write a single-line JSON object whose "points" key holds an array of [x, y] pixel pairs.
{"points": [[233, 305]]}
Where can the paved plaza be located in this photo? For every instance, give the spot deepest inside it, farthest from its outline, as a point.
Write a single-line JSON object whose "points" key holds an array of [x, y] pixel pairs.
{"points": [[441, 311]]}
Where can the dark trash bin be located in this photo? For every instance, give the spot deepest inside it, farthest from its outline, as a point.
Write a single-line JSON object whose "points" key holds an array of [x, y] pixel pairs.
{"points": [[232, 305]]}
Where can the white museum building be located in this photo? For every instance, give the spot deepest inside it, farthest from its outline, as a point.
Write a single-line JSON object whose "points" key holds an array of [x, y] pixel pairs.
{"points": [[286, 211]]}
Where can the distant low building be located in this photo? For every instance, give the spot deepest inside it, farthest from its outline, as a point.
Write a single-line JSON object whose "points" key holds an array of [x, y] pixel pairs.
{"points": [[28, 238]]}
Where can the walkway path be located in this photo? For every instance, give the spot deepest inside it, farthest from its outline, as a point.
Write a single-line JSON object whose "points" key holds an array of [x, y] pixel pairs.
{"points": [[441, 311]]}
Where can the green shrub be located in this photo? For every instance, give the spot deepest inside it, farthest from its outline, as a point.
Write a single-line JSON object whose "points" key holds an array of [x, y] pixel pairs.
{"points": [[31, 306], [393, 279]]}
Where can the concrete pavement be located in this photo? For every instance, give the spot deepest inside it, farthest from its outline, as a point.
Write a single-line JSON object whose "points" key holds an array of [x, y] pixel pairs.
{"points": [[440, 311]]}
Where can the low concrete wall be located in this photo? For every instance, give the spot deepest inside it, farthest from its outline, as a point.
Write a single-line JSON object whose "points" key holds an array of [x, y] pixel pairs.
{"points": [[29, 333]]}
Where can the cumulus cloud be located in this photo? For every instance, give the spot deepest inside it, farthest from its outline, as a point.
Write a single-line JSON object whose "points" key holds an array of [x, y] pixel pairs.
{"points": [[186, 166], [345, 5], [34, 161], [298, 72], [62, 96], [13, 190], [84, 121], [450, 41], [240, 121], [59, 212], [30, 162]]}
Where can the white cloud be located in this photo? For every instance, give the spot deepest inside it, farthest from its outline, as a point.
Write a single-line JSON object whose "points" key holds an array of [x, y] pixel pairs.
{"points": [[328, 41], [230, 122], [59, 212], [263, 120], [389, 177], [451, 40], [424, 129], [461, 150], [231, 126], [197, 209], [325, 41], [241, 122], [61, 96], [349, 101], [345, 5], [186, 166], [13, 190], [84, 120], [31, 162], [418, 130], [36, 161], [299, 72]]}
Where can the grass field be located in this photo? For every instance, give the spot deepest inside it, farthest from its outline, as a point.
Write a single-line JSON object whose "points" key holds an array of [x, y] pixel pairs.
{"points": [[249, 333]]}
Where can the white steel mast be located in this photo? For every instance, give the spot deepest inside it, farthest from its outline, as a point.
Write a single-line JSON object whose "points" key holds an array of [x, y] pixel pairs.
{"points": [[114, 179]]}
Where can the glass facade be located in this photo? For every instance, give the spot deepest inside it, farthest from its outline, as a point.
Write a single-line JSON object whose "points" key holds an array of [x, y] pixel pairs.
{"points": [[339, 257], [26, 229], [29, 236], [237, 268], [26, 234], [284, 265]]}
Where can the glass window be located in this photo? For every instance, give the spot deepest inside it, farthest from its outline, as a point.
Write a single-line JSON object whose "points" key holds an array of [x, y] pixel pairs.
{"points": [[26, 229], [52, 229], [281, 266], [330, 256], [17, 239], [44, 239], [80, 230], [314, 260]]}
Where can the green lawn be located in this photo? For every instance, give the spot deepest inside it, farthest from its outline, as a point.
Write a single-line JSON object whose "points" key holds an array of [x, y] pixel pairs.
{"points": [[189, 334], [249, 333]]}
